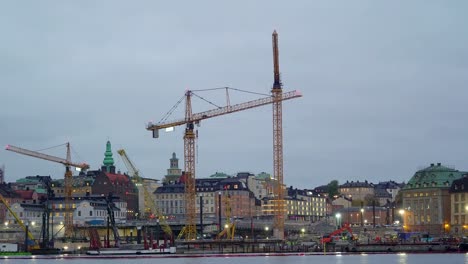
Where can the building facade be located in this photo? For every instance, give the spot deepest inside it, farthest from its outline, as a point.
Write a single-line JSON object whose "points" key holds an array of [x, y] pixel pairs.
{"points": [[357, 190], [426, 199], [459, 206]]}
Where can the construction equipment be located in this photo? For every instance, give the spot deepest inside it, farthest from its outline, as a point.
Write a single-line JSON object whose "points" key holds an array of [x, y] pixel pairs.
{"points": [[151, 211], [20, 223], [279, 206], [67, 182], [111, 220], [229, 227], [192, 119], [343, 233]]}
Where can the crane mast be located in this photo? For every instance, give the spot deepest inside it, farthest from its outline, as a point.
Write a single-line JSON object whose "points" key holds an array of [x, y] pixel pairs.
{"points": [[68, 214], [190, 230], [278, 202]]}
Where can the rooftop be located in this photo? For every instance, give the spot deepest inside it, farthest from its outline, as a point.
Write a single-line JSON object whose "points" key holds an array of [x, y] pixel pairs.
{"points": [[434, 176]]}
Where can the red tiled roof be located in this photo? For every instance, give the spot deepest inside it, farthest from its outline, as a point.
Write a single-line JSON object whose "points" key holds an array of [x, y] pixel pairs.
{"points": [[25, 194], [117, 177]]}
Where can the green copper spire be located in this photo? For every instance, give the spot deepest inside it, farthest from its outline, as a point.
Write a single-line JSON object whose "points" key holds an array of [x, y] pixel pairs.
{"points": [[108, 160]]}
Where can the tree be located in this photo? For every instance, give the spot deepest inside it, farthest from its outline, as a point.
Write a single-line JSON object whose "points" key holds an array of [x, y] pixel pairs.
{"points": [[332, 188], [370, 199]]}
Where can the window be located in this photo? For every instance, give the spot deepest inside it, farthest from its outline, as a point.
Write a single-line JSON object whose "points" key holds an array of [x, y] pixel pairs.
{"points": [[79, 213], [90, 213]]}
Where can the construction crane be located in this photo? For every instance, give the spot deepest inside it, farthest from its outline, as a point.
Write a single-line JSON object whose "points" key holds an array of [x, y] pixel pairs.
{"points": [[151, 210], [20, 222], [279, 207], [68, 215], [192, 119], [229, 227]]}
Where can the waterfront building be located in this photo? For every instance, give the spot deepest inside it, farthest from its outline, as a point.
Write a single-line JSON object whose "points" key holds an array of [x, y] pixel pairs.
{"points": [[357, 190], [170, 200], [10, 196], [257, 184], [94, 212], [220, 196], [382, 196], [459, 206], [322, 190], [81, 185], [392, 187], [87, 211], [305, 205], [426, 199], [237, 199], [107, 180]]}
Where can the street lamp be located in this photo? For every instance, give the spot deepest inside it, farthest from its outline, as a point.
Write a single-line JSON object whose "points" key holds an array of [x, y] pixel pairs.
{"points": [[403, 218], [219, 212], [338, 222], [26, 224], [266, 231], [302, 232], [362, 216]]}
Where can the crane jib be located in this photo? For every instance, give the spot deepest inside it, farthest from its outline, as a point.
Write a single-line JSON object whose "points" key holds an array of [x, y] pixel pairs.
{"points": [[223, 110]]}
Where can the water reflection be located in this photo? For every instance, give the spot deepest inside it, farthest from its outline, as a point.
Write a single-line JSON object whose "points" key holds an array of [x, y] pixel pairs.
{"points": [[305, 259]]}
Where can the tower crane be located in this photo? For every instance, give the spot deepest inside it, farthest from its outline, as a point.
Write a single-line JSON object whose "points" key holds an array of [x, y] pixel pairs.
{"points": [[20, 223], [68, 215], [192, 119], [150, 210], [277, 90]]}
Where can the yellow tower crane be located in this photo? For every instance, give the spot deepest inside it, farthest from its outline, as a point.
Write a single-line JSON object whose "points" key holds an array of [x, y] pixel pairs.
{"points": [[68, 215], [151, 210], [192, 119]]}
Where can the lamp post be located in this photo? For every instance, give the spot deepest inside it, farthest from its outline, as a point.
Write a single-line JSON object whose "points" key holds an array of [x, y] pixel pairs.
{"points": [[266, 231], [362, 216], [157, 231], [403, 218], [26, 224], [338, 222], [219, 212], [201, 216]]}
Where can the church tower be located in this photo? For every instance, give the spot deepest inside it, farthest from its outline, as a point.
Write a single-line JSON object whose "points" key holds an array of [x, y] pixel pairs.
{"points": [[173, 173], [108, 163]]}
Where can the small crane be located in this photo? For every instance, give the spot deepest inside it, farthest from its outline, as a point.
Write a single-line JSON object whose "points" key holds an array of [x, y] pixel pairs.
{"points": [[67, 182]]}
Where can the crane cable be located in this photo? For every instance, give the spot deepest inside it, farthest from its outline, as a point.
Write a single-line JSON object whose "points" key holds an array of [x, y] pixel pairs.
{"points": [[164, 118]]}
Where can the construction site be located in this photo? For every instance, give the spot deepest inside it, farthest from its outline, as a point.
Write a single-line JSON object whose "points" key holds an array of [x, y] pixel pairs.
{"points": [[142, 221]]}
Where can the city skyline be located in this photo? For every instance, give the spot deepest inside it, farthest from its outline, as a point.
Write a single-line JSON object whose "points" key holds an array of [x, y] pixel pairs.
{"points": [[383, 92]]}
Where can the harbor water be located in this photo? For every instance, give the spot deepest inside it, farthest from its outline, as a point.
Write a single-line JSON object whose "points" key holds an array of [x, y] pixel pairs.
{"points": [[446, 258]]}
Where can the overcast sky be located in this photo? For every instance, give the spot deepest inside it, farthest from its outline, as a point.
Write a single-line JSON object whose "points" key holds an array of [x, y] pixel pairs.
{"points": [[384, 84]]}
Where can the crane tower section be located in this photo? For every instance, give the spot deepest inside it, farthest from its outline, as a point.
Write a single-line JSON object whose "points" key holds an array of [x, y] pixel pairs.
{"points": [[277, 91]]}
